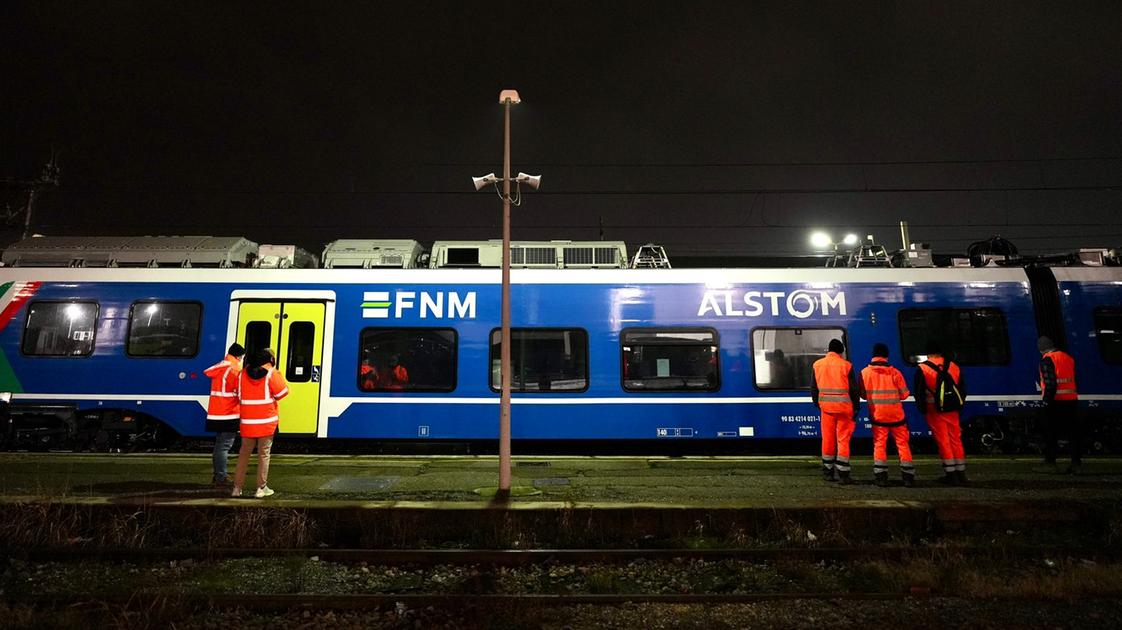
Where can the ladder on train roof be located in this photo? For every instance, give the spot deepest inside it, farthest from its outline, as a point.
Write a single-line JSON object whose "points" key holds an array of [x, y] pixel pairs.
{"points": [[650, 256]]}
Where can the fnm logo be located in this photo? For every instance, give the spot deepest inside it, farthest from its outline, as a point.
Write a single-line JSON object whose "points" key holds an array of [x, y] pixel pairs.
{"points": [[434, 304], [800, 304]]}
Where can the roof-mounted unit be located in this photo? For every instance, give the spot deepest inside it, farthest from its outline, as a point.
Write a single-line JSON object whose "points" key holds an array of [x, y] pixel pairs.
{"points": [[131, 251], [354, 253], [530, 254]]}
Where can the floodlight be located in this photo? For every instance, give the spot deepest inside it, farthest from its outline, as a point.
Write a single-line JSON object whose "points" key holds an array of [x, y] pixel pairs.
{"points": [[850, 239], [509, 95], [480, 182], [533, 181], [151, 310], [821, 240], [73, 311]]}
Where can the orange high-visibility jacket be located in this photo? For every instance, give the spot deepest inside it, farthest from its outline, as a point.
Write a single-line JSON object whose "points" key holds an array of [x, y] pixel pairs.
{"points": [[223, 377], [833, 376], [929, 376], [885, 388], [258, 397], [1065, 375]]}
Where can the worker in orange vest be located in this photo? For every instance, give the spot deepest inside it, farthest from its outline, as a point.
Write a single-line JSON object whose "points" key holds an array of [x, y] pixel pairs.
{"points": [[945, 427], [837, 395], [260, 388], [884, 387], [222, 409], [1061, 397]]}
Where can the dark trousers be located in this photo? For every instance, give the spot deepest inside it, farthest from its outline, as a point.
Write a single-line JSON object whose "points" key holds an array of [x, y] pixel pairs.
{"points": [[1062, 417]]}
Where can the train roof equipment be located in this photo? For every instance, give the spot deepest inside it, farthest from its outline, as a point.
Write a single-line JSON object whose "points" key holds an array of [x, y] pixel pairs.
{"points": [[284, 257], [357, 253], [131, 251], [650, 256], [561, 254]]}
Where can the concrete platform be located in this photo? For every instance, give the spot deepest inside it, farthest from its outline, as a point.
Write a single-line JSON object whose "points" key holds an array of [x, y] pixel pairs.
{"points": [[705, 482], [385, 501]]}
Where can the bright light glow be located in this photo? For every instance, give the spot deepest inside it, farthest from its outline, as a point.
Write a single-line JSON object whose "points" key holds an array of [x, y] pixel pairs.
{"points": [[152, 308], [850, 239], [821, 240], [73, 311]]}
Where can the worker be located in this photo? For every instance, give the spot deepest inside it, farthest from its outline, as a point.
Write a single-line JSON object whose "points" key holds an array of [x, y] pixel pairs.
{"points": [[940, 392], [397, 377], [837, 395], [884, 387], [222, 409], [260, 388], [1061, 399]]}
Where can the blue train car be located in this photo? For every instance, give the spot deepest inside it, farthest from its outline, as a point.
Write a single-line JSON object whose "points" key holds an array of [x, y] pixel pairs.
{"points": [[599, 355]]}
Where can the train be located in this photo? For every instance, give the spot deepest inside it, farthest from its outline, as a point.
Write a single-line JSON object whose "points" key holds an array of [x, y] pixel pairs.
{"points": [[715, 357]]}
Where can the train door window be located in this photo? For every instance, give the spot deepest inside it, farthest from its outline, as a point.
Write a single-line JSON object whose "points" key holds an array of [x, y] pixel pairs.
{"points": [[1108, 328], [970, 336], [60, 329], [543, 360], [258, 335], [301, 344], [164, 329], [783, 358], [667, 359], [407, 359]]}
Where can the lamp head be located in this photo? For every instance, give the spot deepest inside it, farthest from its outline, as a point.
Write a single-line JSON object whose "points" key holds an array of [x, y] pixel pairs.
{"points": [[821, 240], [480, 182], [533, 181], [850, 239], [509, 95]]}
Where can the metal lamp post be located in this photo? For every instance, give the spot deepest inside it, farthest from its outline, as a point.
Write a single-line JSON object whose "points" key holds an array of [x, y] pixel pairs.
{"points": [[508, 99]]}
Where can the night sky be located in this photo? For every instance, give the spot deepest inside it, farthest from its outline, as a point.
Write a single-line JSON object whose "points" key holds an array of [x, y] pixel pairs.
{"points": [[714, 128]]}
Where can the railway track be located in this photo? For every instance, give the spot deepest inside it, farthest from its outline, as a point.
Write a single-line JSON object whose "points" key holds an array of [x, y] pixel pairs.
{"points": [[525, 557]]}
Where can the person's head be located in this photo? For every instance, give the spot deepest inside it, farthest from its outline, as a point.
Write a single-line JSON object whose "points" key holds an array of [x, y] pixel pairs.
{"points": [[1044, 344], [836, 345], [934, 348], [236, 350], [263, 357], [880, 351], [393, 360]]}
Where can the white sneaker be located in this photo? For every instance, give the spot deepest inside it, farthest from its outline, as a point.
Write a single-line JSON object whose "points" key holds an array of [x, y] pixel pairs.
{"points": [[264, 491], [236, 492]]}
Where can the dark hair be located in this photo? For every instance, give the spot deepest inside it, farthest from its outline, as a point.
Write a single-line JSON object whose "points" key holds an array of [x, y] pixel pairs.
{"points": [[236, 350], [261, 357], [880, 350], [836, 346], [934, 347]]}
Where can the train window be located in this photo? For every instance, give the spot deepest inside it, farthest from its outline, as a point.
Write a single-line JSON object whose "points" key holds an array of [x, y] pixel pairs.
{"points": [[783, 358], [1108, 328], [543, 359], [258, 336], [407, 359], [971, 336], [668, 359], [301, 343], [60, 329], [164, 329]]}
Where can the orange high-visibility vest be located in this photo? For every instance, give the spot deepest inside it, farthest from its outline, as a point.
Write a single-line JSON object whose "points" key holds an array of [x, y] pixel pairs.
{"points": [[885, 389], [223, 404], [929, 376], [831, 373], [258, 397], [1065, 375]]}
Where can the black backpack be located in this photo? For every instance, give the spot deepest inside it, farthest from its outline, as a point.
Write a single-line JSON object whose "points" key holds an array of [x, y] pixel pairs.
{"points": [[948, 396]]}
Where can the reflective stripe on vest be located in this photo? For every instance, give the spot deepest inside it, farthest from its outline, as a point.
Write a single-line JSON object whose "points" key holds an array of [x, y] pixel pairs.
{"points": [[1065, 375], [832, 375]]}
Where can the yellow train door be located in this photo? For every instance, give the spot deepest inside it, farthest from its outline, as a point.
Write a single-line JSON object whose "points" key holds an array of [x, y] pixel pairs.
{"points": [[295, 331]]}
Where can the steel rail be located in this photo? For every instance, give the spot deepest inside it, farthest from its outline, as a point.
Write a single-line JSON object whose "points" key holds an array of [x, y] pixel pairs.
{"points": [[522, 557]]}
